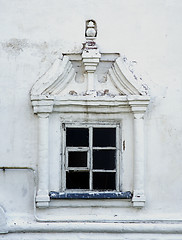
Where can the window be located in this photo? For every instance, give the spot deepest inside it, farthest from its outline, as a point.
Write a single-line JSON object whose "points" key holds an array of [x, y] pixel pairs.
{"points": [[86, 87], [91, 160]]}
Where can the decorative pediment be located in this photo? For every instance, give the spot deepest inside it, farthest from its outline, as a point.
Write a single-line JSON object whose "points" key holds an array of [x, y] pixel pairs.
{"points": [[89, 73], [56, 79]]}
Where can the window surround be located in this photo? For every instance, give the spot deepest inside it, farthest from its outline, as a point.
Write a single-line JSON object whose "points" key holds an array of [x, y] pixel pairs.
{"points": [[104, 96]]}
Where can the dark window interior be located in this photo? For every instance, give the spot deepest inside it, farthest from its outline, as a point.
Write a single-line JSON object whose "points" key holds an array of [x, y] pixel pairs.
{"points": [[77, 137], [104, 181], [104, 137], [104, 159], [77, 180], [77, 159]]}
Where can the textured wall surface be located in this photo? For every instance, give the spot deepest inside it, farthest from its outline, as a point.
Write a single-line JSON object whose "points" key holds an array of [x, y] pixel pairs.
{"points": [[33, 35]]}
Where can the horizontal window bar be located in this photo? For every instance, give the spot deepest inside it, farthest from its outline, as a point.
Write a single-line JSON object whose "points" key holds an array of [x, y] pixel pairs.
{"points": [[77, 169], [93, 125], [102, 170], [77, 149], [104, 148]]}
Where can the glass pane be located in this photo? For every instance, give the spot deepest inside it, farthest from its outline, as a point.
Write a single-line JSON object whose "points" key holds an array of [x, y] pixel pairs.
{"points": [[104, 137], [104, 159], [77, 159], [77, 180], [77, 137], [104, 181]]}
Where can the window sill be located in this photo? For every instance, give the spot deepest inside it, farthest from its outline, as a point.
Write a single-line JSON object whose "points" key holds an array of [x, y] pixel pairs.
{"points": [[94, 195]]}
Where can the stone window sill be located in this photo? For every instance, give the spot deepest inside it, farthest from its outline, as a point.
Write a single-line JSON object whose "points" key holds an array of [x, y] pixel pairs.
{"points": [[91, 195]]}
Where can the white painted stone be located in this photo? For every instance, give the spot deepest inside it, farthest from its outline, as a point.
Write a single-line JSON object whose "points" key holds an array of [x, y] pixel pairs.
{"points": [[3, 223], [51, 87], [33, 35]]}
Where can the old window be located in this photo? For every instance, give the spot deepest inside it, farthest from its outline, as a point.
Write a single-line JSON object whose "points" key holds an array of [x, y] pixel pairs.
{"points": [[92, 158], [99, 89]]}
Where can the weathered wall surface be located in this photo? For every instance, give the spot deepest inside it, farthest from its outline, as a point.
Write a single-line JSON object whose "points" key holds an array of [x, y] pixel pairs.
{"points": [[32, 35]]}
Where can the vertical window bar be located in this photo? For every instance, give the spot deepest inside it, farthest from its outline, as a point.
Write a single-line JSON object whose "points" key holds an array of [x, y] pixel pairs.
{"points": [[91, 156], [121, 153], [117, 156], [63, 182]]}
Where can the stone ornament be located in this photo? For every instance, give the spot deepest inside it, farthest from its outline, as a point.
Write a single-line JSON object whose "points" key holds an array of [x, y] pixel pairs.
{"points": [[99, 83], [90, 30]]}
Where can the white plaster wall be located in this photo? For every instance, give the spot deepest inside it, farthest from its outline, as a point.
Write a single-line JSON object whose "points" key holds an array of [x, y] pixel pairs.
{"points": [[34, 33]]}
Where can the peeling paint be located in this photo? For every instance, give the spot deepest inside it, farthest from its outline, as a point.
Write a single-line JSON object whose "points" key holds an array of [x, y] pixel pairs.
{"points": [[132, 67], [15, 46], [94, 93], [91, 195]]}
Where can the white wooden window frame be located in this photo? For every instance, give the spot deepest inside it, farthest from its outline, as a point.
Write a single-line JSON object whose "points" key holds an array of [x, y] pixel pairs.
{"points": [[89, 150]]}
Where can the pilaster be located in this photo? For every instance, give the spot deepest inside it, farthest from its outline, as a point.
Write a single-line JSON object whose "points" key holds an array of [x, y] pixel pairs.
{"points": [[43, 107], [138, 107]]}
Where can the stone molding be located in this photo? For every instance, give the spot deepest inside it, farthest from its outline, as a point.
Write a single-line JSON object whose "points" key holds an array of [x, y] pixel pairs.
{"points": [[55, 92], [153, 227]]}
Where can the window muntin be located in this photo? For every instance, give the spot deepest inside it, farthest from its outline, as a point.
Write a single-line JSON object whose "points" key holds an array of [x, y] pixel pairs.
{"points": [[91, 160]]}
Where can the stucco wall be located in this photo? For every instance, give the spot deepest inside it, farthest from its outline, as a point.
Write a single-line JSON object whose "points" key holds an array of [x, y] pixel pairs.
{"points": [[33, 34]]}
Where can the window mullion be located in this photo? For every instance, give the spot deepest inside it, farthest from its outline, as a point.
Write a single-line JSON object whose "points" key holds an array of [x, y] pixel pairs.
{"points": [[117, 158], [91, 157], [63, 182]]}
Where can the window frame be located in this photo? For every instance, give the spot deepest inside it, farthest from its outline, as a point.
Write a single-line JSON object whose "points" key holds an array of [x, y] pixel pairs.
{"points": [[65, 150]]}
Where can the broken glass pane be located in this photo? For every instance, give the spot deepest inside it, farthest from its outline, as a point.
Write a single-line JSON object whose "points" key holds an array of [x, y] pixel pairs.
{"points": [[104, 181], [77, 159], [104, 137], [104, 159], [77, 180], [77, 137]]}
